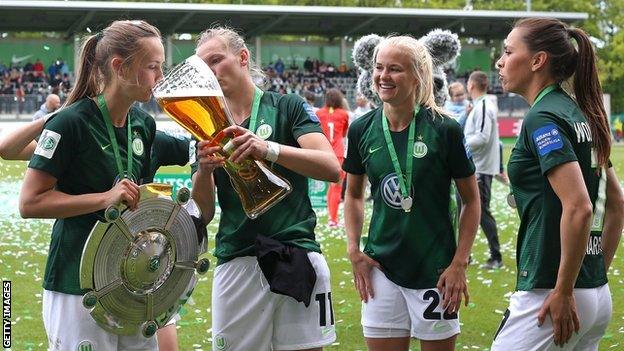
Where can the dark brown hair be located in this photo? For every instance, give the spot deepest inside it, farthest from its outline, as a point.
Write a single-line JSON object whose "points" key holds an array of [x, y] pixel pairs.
{"points": [[121, 38], [554, 38], [479, 79], [333, 98]]}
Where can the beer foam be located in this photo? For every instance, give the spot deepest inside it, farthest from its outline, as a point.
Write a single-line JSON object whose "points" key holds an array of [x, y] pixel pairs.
{"points": [[193, 92]]}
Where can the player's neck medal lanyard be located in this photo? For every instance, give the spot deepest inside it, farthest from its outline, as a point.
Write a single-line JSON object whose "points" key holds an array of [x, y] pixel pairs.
{"points": [[254, 109], [113, 140], [406, 200]]}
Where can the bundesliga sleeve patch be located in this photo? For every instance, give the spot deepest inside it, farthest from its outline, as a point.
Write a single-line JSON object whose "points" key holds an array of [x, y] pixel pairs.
{"points": [[547, 139], [311, 114], [48, 141]]}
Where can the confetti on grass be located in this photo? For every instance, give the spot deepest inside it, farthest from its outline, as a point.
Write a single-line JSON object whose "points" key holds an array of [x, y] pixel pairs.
{"points": [[24, 247]]}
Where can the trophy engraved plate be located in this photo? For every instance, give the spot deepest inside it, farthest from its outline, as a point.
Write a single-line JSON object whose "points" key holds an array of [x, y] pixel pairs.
{"points": [[191, 95], [140, 265]]}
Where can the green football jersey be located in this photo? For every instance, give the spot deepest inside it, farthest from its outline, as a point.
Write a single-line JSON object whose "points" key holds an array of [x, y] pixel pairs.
{"points": [[74, 147], [413, 248], [281, 119], [554, 132]]}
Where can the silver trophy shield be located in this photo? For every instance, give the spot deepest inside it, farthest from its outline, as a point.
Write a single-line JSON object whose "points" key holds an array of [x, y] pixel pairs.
{"points": [[139, 266]]}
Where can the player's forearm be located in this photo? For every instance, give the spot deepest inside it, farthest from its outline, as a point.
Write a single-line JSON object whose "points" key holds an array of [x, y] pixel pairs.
{"points": [[317, 164], [354, 219], [204, 195], [614, 218], [16, 144], [56, 204], [574, 229], [468, 226]]}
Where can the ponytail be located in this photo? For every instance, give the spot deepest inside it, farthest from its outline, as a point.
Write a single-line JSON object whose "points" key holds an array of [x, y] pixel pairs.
{"points": [[588, 93], [86, 79]]}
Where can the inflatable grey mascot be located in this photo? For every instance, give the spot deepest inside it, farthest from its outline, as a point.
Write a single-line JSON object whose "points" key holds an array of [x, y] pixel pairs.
{"points": [[443, 45]]}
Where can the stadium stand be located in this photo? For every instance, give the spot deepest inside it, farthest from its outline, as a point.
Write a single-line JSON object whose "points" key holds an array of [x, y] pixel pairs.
{"points": [[24, 87]]}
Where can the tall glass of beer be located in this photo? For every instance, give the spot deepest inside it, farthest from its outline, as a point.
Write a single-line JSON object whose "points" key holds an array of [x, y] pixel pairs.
{"points": [[191, 95]]}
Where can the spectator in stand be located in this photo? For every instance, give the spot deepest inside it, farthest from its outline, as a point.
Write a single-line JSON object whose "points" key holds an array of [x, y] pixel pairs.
{"points": [[65, 83], [52, 103], [335, 122], [19, 96], [14, 76], [342, 69], [7, 89], [56, 81], [308, 66], [279, 66], [52, 70], [29, 88], [323, 85], [59, 64], [456, 107], [322, 68], [64, 68], [29, 67], [5, 101], [315, 88], [38, 68], [331, 70], [39, 77]]}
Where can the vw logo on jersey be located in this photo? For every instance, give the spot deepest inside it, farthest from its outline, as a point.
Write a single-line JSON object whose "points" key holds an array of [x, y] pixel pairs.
{"points": [[391, 191], [264, 131]]}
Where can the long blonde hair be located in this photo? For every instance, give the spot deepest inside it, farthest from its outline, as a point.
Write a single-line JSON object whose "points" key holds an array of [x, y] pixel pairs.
{"points": [[422, 67], [234, 43], [120, 38]]}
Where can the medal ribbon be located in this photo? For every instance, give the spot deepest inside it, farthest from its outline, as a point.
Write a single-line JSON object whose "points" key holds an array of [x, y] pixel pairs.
{"points": [[543, 93], [405, 188], [113, 140], [254, 109]]}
